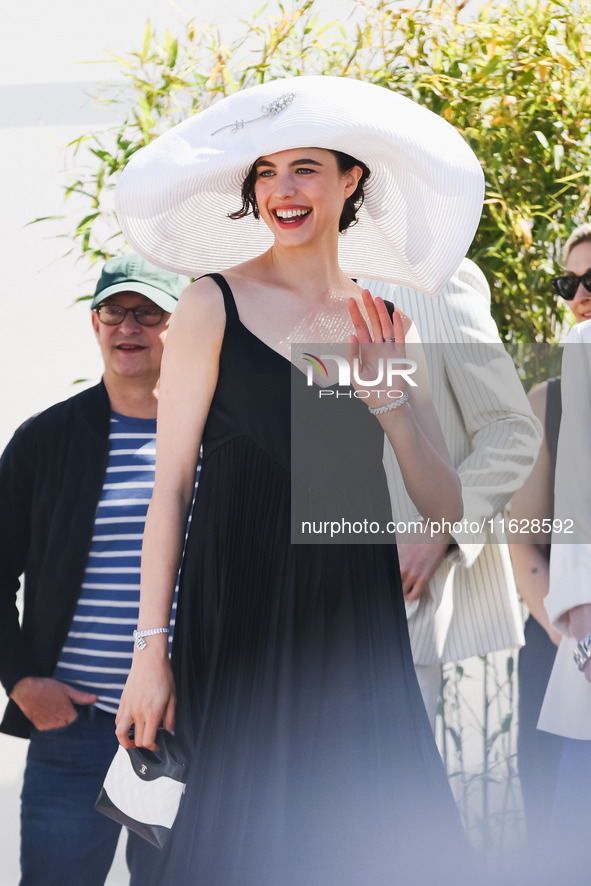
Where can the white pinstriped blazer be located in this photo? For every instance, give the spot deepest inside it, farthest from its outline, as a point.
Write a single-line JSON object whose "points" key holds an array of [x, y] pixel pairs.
{"points": [[493, 439]]}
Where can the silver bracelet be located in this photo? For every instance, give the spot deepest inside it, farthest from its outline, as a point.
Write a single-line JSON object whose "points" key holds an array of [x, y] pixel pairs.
{"points": [[582, 652], [138, 636], [394, 404]]}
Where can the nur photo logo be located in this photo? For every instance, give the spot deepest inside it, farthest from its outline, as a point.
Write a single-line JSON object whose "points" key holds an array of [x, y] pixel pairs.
{"points": [[387, 371]]}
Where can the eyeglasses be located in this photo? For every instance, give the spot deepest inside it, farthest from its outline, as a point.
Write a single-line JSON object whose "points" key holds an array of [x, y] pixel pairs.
{"points": [[145, 315], [567, 286]]}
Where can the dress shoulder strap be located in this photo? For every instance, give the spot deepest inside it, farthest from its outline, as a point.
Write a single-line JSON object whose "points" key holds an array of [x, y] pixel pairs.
{"points": [[229, 303], [553, 416], [390, 308]]}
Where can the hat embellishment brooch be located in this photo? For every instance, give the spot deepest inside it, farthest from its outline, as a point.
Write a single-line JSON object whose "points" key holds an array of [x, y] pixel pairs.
{"points": [[267, 111]]}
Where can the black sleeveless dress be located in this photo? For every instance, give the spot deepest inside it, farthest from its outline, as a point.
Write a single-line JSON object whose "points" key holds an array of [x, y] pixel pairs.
{"points": [[313, 762]]}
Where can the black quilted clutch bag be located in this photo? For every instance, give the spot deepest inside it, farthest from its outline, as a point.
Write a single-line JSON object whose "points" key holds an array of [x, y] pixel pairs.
{"points": [[143, 789]]}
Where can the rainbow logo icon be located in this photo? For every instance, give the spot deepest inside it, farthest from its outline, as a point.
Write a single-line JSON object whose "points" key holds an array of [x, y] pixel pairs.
{"points": [[316, 362]]}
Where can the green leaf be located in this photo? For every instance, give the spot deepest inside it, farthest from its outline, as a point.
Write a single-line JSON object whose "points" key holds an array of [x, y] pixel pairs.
{"points": [[573, 177], [556, 46], [541, 138], [510, 667], [86, 223], [102, 155], [44, 218], [490, 67], [172, 47], [147, 39], [455, 738]]}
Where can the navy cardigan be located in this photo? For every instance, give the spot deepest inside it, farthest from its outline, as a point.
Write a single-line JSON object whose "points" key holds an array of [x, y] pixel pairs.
{"points": [[51, 478]]}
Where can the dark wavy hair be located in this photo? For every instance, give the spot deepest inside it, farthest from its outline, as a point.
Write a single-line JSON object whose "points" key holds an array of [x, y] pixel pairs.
{"points": [[352, 204]]}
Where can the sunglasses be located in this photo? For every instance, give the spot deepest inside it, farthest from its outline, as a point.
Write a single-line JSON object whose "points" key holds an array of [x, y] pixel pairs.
{"points": [[114, 315], [567, 286]]}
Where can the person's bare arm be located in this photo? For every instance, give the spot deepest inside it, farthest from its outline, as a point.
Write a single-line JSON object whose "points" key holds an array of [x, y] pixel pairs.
{"points": [[413, 429], [187, 383], [533, 502]]}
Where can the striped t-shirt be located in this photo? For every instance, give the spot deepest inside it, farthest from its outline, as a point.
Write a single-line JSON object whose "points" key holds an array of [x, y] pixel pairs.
{"points": [[98, 651]]}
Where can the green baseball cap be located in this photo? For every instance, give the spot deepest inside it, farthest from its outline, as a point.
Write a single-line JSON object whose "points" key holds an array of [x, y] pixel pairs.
{"points": [[132, 273]]}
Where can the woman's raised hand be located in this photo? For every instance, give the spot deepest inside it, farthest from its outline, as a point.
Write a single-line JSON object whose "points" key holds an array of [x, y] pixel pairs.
{"points": [[148, 700], [384, 341]]}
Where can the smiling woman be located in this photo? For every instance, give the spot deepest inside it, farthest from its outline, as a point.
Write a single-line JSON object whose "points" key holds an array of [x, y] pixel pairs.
{"points": [[344, 163], [307, 192], [313, 758]]}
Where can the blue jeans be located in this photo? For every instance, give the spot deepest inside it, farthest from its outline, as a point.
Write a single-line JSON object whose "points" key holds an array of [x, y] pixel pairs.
{"points": [[64, 840]]}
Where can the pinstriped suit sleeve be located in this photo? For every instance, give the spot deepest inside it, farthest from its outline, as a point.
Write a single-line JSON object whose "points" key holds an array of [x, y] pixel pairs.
{"points": [[504, 434], [492, 435]]}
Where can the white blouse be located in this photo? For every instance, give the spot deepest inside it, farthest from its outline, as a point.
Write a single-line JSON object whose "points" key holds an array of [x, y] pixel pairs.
{"points": [[567, 705]]}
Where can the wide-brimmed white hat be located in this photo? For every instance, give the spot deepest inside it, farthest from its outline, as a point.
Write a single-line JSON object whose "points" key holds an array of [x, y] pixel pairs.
{"points": [[422, 201]]}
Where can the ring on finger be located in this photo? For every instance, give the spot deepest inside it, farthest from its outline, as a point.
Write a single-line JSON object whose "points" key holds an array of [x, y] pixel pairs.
{"points": [[391, 339]]}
